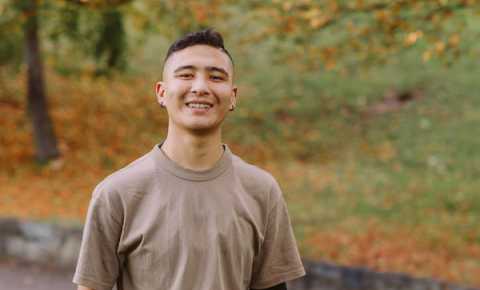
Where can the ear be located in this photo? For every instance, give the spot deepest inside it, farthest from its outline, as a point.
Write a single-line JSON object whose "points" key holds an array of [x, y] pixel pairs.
{"points": [[233, 98], [160, 92]]}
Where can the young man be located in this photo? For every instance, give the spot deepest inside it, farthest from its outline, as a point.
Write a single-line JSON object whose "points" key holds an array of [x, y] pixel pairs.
{"points": [[190, 215]]}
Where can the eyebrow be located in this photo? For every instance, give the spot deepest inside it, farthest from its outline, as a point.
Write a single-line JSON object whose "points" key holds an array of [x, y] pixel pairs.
{"points": [[217, 69], [208, 68], [183, 68]]}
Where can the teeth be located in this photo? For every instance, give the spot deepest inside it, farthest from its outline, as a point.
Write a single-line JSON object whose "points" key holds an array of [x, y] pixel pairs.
{"points": [[198, 106]]}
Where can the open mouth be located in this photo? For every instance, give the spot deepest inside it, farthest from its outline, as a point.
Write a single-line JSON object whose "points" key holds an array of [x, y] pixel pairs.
{"points": [[199, 105]]}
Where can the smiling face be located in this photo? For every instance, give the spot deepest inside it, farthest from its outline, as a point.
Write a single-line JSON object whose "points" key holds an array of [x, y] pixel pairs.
{"points": [[197, 88]]}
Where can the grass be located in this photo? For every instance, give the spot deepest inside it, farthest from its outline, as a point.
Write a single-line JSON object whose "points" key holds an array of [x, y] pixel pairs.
{"points": [[402, 195]]}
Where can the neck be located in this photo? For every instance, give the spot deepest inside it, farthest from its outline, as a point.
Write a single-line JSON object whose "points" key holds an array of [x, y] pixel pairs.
{"points": [[194, 152]]}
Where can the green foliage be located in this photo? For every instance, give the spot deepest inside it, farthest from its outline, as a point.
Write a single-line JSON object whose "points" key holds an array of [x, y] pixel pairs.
{"points": [[111, 44], [10, 34], [10, 47], [291, 81], [414, 166], [70, 34], [333, 34]]}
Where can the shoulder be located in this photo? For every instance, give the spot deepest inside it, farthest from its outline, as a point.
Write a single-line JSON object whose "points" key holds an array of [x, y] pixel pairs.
{"points": [[251, 173], [133, 178], [256, 179]]}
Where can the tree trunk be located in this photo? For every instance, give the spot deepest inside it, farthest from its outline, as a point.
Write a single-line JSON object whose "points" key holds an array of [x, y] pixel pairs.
{"points": [[44, 136]]}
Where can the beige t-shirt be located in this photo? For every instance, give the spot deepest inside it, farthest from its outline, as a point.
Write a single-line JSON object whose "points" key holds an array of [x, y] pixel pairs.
{"points": [[154, 225]]}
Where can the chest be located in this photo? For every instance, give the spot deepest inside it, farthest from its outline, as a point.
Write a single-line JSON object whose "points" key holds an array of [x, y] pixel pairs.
{"points": [[198, 222]]}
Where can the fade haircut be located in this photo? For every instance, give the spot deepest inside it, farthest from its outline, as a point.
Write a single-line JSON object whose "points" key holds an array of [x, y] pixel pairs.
{"points": [[208, 37]]}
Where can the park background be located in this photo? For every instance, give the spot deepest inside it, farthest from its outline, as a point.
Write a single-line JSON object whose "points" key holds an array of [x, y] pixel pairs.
{"points": [[367, 112]]}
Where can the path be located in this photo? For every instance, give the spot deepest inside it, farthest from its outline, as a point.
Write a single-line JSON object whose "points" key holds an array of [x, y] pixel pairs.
{"points": [[21, 276]]}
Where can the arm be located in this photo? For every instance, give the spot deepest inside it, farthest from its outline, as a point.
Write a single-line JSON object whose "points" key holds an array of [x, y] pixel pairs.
{"points": [[98, 262], [281, 286], [278, 260]]}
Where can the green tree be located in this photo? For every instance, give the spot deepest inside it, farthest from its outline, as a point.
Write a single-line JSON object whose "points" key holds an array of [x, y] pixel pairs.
{"points": [[44, 136], [62, 17], [335, 33]]}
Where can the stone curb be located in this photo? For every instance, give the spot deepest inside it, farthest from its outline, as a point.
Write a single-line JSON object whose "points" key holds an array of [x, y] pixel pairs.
{"points": [[41, 243], [59, 245], [327, 276]]}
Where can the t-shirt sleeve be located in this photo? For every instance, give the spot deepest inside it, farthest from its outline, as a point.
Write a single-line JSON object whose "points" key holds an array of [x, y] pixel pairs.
{"points": [[278, 260], [98, 262]]}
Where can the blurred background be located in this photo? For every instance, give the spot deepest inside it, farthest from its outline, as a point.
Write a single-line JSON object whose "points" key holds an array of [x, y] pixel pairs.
{"points": [[366, 111]]}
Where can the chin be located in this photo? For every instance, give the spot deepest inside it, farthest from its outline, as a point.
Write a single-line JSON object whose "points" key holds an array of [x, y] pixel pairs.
{"points": [[199, 128]]}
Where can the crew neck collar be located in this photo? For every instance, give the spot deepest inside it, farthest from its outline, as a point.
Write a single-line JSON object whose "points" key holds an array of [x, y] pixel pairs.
{"points": [[171, 166]]}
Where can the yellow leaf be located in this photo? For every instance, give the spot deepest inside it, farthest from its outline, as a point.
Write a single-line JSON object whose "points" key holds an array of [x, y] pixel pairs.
{"points": [[287, 6], [412, 37], [454, 40], [439, 47], [427, 55], [318, 22]]}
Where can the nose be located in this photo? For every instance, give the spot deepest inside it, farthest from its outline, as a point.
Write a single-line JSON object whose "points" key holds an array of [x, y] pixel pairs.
{"points": [[200, 87]]}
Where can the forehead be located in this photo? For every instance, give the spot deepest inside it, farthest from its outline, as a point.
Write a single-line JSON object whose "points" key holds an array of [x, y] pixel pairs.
{"points": [[198, 56]]}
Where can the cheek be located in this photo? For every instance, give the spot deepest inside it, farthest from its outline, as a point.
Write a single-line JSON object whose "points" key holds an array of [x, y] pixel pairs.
{"points": [[225, 92], [177, 94]]}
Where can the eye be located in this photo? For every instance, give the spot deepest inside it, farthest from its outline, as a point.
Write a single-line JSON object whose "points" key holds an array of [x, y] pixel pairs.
{"points": [[217, 78], [185, 75]]}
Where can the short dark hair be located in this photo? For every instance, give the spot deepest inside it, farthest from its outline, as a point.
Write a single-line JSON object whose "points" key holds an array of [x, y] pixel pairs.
{"points": [[207, 36]]}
